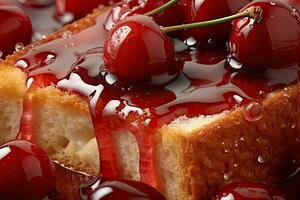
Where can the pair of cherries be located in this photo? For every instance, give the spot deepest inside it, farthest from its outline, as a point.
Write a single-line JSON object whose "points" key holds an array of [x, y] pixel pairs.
{"points": [[137, 49]]}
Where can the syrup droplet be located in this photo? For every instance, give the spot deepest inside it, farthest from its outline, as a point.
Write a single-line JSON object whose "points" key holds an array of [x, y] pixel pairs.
{"points": [[234, 64], [227, 175], [261, 159], [262, 93], [67, 34], [190, 41], [1, 54], [19, 46], [226, 151], [294, 12], [253, 112], [228, 197], [66, 18], [236, 144], [49, 59], [243, 138], [273, 3], [210, 41]]}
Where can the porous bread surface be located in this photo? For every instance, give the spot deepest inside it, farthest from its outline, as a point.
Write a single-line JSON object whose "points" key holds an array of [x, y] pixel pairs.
{"points": [[192, 155], [12, 89], [198, 163]]}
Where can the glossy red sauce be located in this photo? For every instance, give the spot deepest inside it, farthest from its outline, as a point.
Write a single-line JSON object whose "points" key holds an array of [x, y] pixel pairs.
{"points": [[207, 85]]}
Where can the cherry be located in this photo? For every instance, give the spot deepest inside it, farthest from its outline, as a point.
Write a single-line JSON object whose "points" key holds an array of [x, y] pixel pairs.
{"points": [[137, 50], [26, 172], [274, 42], [248, 191], [36, 3], [170, 16], [15, 27], [197, 11], [69, 10], [111, 189]]}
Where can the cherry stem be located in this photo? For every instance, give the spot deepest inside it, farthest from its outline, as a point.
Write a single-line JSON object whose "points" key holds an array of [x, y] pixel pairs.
{"points": [[161, 8], [255, 12]]}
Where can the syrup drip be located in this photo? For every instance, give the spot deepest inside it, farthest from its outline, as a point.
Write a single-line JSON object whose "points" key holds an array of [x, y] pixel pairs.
{"points": [[206, 86]]}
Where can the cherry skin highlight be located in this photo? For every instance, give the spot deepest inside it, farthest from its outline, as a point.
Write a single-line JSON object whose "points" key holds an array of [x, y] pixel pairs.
{"points": [[136, 50], [112, 189], [274, 42], [26, 171], [15, 27], [197, 11], [248, 191], [171, 16]]}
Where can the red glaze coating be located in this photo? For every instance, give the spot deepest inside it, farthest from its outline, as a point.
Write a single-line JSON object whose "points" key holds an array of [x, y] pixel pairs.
{"points": [[206, 86], [203, 10], [277, 36], [171, 16], [112, 189], [26, 171], [137, 50], [248, 191], [15, 27]]}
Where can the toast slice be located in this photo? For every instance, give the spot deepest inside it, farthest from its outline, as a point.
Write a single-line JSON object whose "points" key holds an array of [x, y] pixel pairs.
{"points": [[194, 156]]}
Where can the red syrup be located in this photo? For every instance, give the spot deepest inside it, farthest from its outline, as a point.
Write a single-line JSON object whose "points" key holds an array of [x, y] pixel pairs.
{"points": [[206, 86]]}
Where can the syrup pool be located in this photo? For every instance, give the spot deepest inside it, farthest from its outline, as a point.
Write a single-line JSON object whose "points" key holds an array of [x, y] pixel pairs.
{"points": [[207, 85]]}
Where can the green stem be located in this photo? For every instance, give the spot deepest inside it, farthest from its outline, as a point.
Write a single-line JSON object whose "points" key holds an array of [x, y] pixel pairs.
{"points": [[254, 12], [161, 8]]}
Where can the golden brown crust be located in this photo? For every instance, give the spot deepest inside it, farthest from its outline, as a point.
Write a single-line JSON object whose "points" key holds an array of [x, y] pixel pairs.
{"points": [[233, 149], [53, 96]]}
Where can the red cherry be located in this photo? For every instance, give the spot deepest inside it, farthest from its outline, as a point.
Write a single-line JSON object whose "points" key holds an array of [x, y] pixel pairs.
{"points": [[248, 191], [112, 189], [69, 10], [171, 16], [137, 50], [198, 11], [26, 172], [15, 27], [36, 3], [273, 42]]}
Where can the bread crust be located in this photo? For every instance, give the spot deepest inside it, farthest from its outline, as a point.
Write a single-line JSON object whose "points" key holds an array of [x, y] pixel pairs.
{"points": [[233, 149]]}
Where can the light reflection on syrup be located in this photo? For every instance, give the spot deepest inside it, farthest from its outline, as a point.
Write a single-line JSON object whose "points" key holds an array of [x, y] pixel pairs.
{"points": [[206, 86]]}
